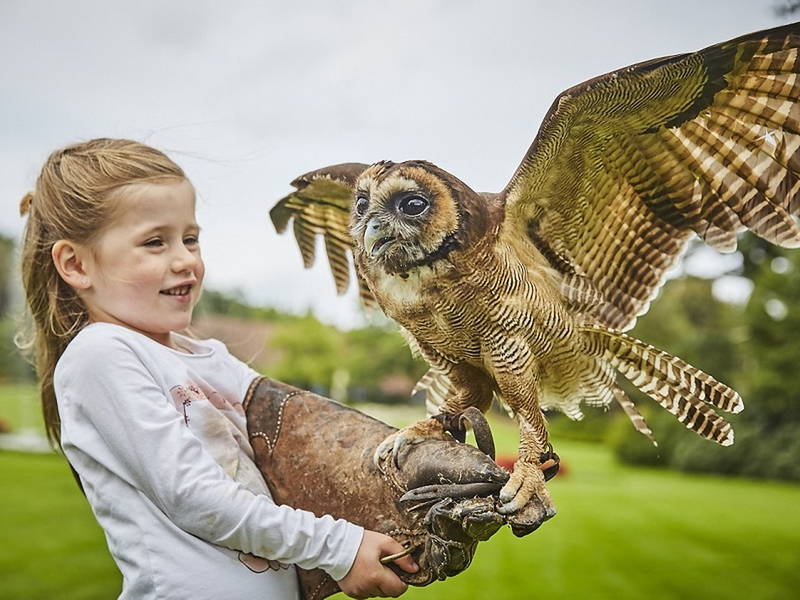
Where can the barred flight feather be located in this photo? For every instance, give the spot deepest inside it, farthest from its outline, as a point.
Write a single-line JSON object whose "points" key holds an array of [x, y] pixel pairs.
{"points": [[340, 266], [437, 388], [679, 387], [321, 206], [636, 418]]}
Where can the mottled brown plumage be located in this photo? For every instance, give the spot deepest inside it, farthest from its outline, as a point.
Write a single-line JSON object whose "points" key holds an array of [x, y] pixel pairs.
{"points": [[525, 294]]}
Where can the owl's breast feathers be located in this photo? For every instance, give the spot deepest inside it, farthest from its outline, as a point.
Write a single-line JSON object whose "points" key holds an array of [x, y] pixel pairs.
{"points": [[493, 288]]}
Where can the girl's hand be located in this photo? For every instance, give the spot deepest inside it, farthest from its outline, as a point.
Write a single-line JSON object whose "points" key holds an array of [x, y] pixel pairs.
{"points": [[368, 577]]}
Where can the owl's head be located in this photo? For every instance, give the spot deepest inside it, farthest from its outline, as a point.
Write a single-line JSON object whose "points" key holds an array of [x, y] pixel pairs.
{"points": [[407, 215]]}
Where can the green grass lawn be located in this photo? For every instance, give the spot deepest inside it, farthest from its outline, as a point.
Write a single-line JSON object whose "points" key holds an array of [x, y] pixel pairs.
{"points": [[620, 533]]}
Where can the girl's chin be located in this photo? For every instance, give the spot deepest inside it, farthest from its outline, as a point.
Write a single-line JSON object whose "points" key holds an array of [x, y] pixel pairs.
{"points": [[162, 330]]}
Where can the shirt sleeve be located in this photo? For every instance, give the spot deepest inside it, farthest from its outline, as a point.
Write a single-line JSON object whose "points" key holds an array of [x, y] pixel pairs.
{"points": [[114, 411], [245, 374]]}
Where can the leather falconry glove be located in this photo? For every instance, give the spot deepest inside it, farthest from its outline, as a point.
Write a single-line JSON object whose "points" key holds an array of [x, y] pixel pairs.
{"points": [[439, 500]]}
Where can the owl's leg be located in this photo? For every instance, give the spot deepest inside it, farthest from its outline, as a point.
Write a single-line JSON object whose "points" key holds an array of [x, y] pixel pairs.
{"points": [[527, 481], [470, 387]]}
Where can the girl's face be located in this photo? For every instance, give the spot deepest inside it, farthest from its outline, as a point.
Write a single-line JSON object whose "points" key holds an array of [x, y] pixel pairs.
{"points": [[145, 269]]}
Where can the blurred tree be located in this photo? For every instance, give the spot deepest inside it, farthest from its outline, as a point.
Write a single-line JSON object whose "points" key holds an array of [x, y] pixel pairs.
{"points": [[376, 353], [6, 262], [310, 352], [772, 317], [315, 356], [234, 305], [787, 8], [12, 366]]}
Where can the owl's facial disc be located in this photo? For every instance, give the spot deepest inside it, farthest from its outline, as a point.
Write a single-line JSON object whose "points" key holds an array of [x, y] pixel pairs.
{"points": [[402, 215]]}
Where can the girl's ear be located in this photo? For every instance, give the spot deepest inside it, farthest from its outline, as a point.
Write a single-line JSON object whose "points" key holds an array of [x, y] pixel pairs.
{"points": [[68, 259]]}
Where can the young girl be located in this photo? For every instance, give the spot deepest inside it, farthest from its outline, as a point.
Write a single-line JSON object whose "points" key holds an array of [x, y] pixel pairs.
{"points": [[151, 420]]}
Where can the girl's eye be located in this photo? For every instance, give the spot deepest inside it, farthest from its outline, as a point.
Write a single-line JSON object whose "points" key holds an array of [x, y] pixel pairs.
{"points": [[192, 240], [413, 205], [154, 243], [362, 203]]}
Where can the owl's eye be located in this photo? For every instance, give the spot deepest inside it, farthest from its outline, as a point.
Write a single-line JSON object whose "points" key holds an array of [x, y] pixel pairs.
{"points": [[413, 206], [361, 205]]}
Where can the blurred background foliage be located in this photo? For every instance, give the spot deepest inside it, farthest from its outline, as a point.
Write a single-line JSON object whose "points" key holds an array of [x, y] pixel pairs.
{"points": [[753, 346]]}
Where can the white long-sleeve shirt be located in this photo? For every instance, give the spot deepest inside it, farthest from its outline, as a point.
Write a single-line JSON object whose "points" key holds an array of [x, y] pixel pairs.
{"points": [[159, 440]]}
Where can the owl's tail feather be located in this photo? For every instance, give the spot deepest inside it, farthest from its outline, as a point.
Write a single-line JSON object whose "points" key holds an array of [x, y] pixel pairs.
{"points": [[682, 389]]}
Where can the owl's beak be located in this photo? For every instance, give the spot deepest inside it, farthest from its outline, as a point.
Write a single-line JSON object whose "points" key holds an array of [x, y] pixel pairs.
{"points": [[377, 238]]}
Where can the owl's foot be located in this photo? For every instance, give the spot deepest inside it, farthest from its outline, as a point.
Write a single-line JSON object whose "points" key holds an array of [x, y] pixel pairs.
{"points": [[525, 485], [396, 444]]}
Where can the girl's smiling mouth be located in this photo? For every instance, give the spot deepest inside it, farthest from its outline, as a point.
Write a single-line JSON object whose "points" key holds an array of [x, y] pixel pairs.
{"points": [[179, 290]]}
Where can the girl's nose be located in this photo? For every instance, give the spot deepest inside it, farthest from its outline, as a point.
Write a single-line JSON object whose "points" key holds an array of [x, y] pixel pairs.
{"points": [[184, 260]]}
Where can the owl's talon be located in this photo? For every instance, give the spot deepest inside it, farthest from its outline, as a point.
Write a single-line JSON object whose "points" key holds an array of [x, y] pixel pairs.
{"points": [[400, 444], [510, 489], [392, 447], [509, 508], [388, 448], [397, 444], [381, 453], [526, 484]]}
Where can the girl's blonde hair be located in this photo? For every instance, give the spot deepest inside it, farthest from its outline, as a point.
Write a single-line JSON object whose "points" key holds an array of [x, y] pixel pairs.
{"points": [[73, 200]]}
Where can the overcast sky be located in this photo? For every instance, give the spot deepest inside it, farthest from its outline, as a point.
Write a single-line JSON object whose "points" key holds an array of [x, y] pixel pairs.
{"points": [[247, 95]]}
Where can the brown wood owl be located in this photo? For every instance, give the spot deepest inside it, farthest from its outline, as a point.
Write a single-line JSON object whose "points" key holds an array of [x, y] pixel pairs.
{"points": [[524, 294]]}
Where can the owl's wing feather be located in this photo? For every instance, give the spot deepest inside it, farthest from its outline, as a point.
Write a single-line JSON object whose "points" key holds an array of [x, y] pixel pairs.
{"points": [[437, 387], [627, 166], [321, 205]]}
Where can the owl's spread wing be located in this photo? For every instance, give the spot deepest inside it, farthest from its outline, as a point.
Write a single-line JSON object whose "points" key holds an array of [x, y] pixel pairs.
{"points": [[321, 205], [626, 166]]}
